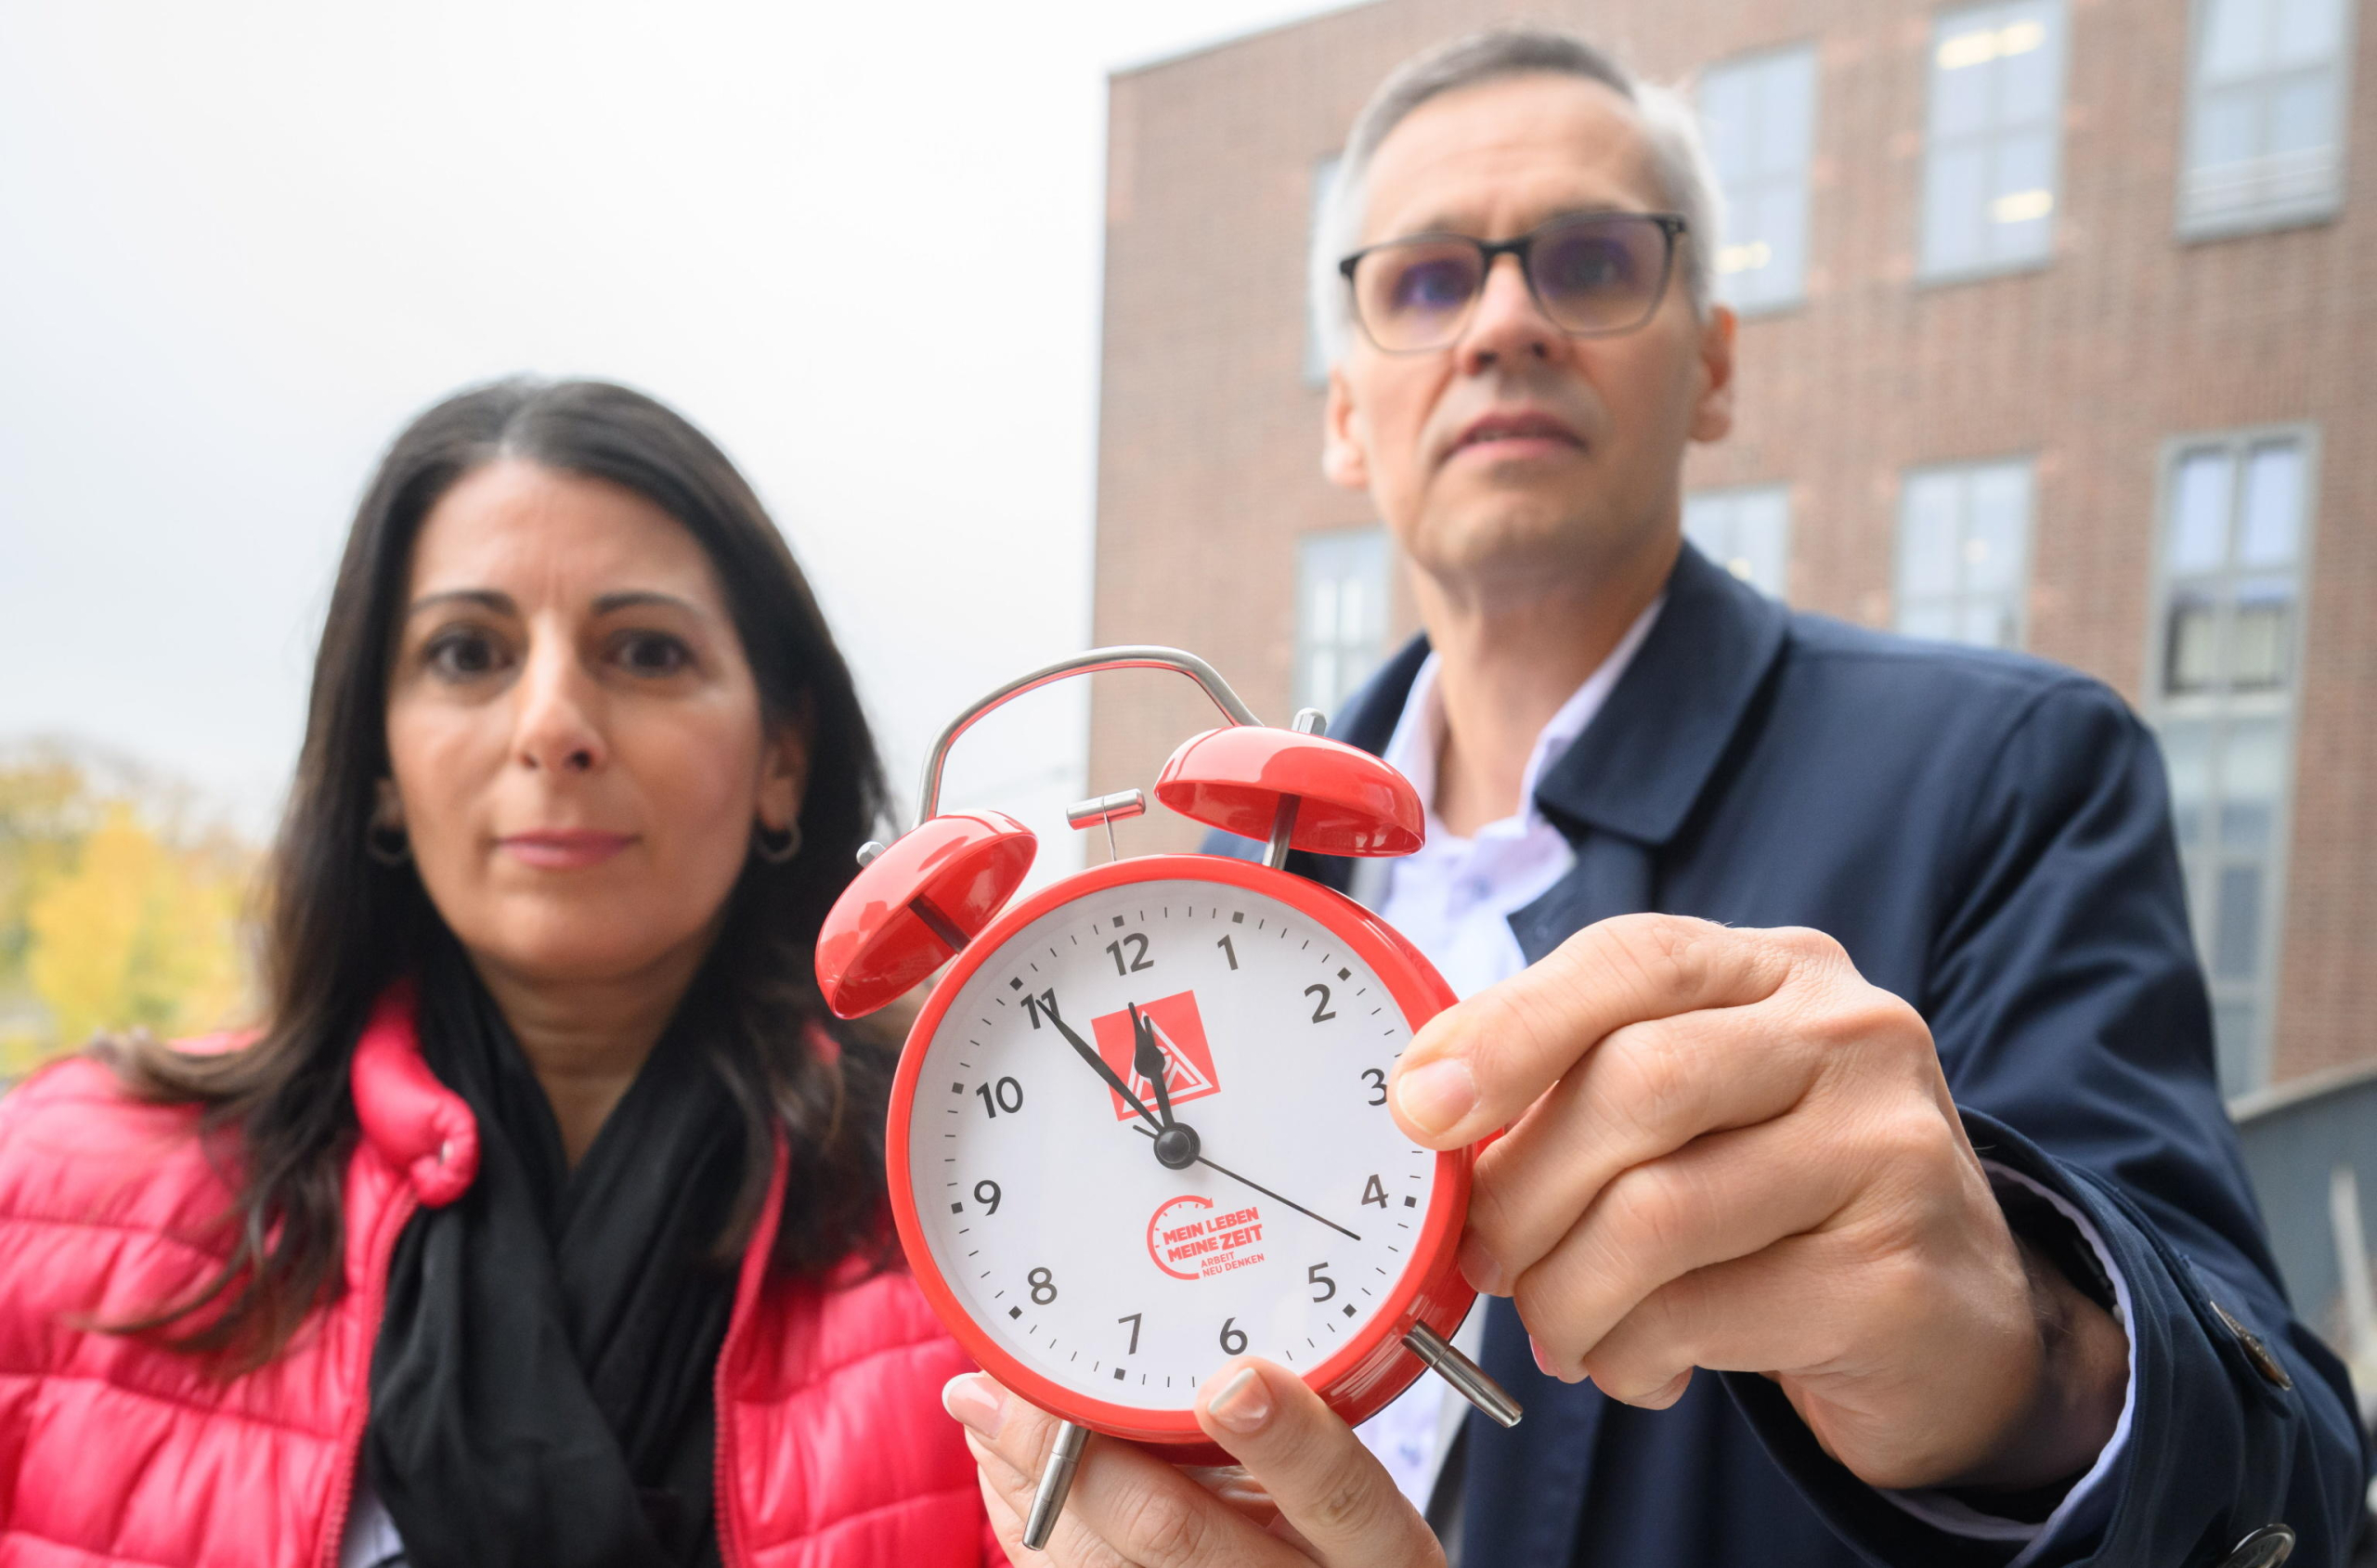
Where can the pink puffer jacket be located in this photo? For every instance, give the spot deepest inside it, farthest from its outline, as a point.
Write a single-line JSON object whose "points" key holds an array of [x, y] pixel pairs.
{"points": [[833, 1449]]}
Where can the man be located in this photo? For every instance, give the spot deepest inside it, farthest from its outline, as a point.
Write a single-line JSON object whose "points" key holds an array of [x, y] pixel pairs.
{"points": [[1837, 989]]}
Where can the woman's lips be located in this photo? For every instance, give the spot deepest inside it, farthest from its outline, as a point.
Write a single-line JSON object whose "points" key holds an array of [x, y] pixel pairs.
{"points": [[564, 851]]}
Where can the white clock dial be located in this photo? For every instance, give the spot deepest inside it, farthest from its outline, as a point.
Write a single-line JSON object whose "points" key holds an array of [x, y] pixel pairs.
{"points": [[1040, 1191]]}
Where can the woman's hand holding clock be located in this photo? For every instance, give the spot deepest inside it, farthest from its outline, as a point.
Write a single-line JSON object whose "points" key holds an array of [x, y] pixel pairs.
{"points": [[1308, 1493]]}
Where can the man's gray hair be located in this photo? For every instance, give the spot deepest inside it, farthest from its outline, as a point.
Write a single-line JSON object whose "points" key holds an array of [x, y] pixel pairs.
{"points": [[1679, 161]]}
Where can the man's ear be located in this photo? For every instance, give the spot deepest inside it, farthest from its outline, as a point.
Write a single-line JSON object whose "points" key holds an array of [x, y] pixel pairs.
{"points": [[784, 773], [1712, 411], [1344, 437]]}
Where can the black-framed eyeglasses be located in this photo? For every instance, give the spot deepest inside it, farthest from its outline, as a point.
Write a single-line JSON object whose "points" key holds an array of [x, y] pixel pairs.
{"points": [[1592, 275]]}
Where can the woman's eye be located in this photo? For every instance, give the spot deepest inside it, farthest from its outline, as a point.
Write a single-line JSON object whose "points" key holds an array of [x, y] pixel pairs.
{"points": [[461, 655], [653, 653]]}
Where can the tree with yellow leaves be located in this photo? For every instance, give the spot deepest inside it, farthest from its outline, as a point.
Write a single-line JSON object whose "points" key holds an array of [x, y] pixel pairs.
{"points": [[106, 921]]}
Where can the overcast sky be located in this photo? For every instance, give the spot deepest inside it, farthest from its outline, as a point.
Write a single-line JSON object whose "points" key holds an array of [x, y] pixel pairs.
{"points": [[241, 242]]}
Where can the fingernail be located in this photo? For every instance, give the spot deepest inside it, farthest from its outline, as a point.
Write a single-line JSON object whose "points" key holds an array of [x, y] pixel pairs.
{"points": [[969, 1401], [1434, 1096], [1543, 1362], [1243, 1404], [1477, 1266]]}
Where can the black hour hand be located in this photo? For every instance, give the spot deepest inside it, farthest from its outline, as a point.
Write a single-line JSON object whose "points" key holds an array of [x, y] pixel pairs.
{"points": [[1148, 1058]]}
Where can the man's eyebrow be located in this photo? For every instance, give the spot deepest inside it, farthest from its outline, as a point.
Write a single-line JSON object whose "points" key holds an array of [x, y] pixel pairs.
{"points": [[486, 597], [1442, 224], [636, 598]]}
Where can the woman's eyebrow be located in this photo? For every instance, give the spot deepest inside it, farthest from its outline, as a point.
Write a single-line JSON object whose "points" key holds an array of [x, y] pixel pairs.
{"points": [[486, 597], [630, 599]]}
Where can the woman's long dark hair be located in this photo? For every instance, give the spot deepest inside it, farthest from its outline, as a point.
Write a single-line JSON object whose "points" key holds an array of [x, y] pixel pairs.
{"points": [[340, 927]]}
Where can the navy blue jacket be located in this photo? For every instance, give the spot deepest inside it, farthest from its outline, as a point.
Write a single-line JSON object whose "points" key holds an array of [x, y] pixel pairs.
{"points": [[1988, 836]]}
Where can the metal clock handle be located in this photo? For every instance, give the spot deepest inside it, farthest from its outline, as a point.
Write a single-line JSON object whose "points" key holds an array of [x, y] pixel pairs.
{"points": [[1055, 1482], [1467, 1378], [1090, 663]]}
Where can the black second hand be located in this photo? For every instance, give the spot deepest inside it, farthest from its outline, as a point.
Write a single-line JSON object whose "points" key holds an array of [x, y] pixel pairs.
{"points": [[1265, 1191]]}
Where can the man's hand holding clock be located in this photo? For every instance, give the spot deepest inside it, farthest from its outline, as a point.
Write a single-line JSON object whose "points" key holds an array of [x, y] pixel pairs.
{"points": [[1725, 1151]]}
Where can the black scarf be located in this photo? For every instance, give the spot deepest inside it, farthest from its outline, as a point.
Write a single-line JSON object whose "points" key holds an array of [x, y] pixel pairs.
{"points": [[542, 1386]]}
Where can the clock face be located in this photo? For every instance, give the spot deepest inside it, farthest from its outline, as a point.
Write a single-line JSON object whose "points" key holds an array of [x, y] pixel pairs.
{"points": [[1046, 1199]]}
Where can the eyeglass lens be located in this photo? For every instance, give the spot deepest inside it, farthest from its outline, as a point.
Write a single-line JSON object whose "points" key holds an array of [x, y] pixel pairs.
{"points": [[1591, 274]]}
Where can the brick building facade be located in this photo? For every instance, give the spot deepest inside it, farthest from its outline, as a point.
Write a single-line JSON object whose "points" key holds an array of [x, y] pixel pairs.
{"points": [[2132, 382]]}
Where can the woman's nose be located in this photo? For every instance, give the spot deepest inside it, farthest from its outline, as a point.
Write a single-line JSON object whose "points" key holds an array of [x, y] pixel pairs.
{"points": [[559, 729]]}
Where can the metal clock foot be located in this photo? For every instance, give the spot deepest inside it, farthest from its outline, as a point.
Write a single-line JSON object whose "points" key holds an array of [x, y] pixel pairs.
{"points": [[1058, 1480], [1461, 1372]]}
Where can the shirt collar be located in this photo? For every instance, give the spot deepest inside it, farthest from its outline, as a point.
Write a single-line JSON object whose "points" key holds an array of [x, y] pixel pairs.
{"points": [[1419, 733]]}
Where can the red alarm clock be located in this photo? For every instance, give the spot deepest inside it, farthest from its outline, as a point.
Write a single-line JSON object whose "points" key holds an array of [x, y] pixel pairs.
{"points": [[1140, 1126]]}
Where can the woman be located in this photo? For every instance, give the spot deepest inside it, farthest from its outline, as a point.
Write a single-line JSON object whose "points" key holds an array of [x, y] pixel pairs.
{"points": [[543, 1223]]}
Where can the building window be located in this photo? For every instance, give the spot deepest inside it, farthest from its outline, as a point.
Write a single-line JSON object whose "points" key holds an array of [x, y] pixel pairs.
{"points": [[2226, 631], [1319, 295], [1989, 178], [1760, 115], [1341, 613], [2265, 115], [1747, 532], [1963, 550]]}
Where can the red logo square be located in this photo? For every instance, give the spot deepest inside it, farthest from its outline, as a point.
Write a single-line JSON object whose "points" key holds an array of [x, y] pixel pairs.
{"points": [[1179, 1033]]}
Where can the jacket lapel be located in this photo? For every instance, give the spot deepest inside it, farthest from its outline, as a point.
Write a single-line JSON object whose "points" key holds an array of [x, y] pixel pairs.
{"points": [[1645, 761], [1524, 1489], [1620, 793], [1642, 764], [1612, 876]]}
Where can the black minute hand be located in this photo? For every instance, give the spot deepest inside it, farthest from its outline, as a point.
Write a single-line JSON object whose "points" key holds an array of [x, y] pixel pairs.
{"points": [[1097, 1063]]}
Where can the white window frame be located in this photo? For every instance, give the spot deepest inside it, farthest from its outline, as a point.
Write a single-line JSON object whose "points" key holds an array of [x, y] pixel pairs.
{"points": [[1307, 643], [1965, 469], [2245, 1065], [2253, 217], [1733, 496], [1317, 333], [1760, 61], [1944, 23]]}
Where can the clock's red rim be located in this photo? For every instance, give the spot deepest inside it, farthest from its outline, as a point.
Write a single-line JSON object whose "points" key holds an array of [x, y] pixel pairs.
{"points": [[1361, 1376]]}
